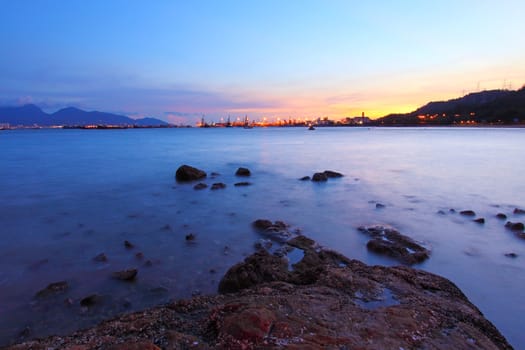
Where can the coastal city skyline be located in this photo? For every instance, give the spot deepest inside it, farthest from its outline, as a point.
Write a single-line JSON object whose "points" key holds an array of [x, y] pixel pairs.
{"points": [[179, 61]]}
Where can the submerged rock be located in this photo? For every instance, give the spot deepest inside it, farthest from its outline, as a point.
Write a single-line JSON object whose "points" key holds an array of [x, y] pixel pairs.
{"points": [[100, 258], [200, 186], [277, 231], [515, 226], [468, 213], [501, 216], [186, 173], [319, 177], [90, 300], [53, 289], [243, 172], [125, 275], [479, 220], [519, 211], [305, 178], [243, 183], [218, 186], [332, 174], [326, 302], [388, 241]]}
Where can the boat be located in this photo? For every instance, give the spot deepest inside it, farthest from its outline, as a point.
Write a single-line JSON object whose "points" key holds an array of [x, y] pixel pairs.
{"points": [[246, 124], [311, 127]]}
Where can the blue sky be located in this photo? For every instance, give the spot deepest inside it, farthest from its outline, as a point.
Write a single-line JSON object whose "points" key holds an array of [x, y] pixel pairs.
{"points": [[177, 60]]}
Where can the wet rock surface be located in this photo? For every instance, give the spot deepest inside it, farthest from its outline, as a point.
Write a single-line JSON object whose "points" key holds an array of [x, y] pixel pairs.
{"points": [[332, 174], [242, 183], [53, 289], [388, 241], [319, 177], [326, 301], [187, 173], [243, 172], [515, 226], [125, 275], [218, 186], [200, 186]]}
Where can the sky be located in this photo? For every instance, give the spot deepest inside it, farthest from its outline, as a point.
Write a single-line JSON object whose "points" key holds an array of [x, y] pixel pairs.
{"points": [[179, 60]]}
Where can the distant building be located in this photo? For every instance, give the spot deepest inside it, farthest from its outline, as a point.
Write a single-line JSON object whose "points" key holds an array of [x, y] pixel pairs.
{"points": [[362, 120], [4, 126]]}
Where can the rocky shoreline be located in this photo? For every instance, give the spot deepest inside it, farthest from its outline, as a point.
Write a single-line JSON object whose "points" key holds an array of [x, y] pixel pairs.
{"points": [[322, 301], [293, 293]]}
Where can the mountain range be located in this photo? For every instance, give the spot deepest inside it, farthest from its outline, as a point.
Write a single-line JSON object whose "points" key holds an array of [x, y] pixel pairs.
{"points": [[31, 115], [487, 107]]}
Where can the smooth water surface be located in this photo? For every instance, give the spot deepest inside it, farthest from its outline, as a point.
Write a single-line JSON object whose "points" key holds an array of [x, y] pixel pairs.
{"points": [[69, 195]]}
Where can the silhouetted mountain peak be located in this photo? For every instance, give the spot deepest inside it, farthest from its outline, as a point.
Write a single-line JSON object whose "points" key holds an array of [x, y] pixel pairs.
{"points": [[30, 114], [491, 106]]}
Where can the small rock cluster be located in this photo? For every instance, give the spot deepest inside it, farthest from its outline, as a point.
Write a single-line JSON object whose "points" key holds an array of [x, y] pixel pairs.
{"points": [[322, 176], [187, 173]]}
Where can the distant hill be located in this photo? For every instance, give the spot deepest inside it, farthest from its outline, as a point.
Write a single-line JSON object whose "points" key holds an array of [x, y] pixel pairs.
{"points": [[489, 107], [30, 115]]}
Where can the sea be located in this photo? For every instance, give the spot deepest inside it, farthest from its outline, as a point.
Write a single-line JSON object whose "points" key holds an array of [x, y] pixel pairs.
{"points": [[67, 196]]}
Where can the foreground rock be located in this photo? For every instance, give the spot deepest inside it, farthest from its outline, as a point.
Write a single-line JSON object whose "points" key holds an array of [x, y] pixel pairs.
{"points": [[186, 173], [326, 301], [388, 241]]}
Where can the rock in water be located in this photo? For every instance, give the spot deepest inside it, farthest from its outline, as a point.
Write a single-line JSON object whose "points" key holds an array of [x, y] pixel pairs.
{"points": [[332, 174], [125, 275], [218, 186], [519, 211], [53, 289], [467, 213], [388, 241], [256, 269], [186, 173], [243, 172], [100, 258], [319, 177], [515, 226], [200, 186], [242, 184]]}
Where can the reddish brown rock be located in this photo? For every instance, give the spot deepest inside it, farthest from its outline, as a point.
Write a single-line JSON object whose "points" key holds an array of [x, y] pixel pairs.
{"points": [[388, 241]]}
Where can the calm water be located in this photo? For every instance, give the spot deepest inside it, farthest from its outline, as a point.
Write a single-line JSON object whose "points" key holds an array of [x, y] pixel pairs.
{"points": [[68, 195]]}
